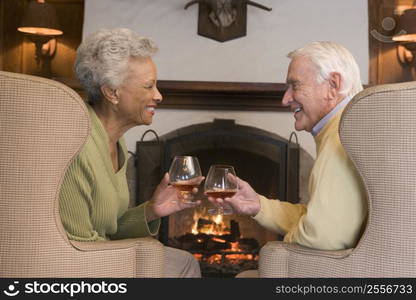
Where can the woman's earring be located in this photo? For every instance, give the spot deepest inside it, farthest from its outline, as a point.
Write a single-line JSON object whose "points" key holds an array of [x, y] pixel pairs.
{"points": [[115, 102]]}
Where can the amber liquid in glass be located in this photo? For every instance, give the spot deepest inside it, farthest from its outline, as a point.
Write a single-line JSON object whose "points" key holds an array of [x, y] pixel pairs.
{"points": [[221, 194], [184, 187]]}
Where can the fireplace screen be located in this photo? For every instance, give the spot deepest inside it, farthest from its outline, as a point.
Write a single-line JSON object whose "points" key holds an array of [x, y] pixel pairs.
{"points": [[224, 245]]}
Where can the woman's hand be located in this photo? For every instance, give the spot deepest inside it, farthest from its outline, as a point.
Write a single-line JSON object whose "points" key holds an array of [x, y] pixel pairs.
{"points": [[245, 202], [165, 200]]}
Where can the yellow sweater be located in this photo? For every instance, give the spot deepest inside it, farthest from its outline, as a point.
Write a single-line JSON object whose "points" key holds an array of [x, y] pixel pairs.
{"points": [[93, 201], [336, 212]]}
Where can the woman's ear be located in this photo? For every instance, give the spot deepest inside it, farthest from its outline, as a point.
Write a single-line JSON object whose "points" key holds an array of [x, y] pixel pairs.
{"points": [[110, 94]]}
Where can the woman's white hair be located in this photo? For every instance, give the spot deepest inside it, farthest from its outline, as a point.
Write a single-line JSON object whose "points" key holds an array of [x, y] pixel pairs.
{"points": [[331, 57], [102, 58]]}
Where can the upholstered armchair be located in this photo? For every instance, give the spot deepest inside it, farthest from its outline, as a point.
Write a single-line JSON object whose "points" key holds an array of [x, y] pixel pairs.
{"points": [[43, 125], [378, 131]]}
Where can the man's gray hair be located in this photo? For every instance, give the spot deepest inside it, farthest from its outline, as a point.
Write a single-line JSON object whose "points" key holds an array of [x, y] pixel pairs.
{"points": [[331, 57], [102, 58]]}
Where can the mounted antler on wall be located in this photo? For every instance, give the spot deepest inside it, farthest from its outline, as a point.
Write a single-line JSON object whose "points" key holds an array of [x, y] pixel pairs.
{"points": [[223, 20]]}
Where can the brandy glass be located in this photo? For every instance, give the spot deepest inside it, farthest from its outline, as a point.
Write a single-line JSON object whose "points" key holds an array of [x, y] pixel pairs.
{"points": [[221, 183], [184, 173]]}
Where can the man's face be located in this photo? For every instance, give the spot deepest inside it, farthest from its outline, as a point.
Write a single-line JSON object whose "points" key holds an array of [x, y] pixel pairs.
{"points": [[307, 98]]}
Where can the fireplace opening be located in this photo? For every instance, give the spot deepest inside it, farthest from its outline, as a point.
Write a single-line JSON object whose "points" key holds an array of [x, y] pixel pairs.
{"points": [[224, 245], [219, 246]]}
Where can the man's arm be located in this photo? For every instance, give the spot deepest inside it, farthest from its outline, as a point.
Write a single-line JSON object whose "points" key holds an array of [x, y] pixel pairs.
{"points": [[279, 216]]}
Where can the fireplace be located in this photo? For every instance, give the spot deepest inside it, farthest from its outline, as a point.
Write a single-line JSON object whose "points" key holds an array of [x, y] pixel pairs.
{"points": [[224, 245]]}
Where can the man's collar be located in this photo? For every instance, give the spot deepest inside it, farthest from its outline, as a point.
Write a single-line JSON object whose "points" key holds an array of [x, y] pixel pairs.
{"points": [[317, 128]]}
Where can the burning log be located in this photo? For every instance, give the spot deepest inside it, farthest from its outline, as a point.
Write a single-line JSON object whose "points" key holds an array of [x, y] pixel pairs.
{"points": [[223, 266], [202, 222], [190, 241], [248, 244], [201, 242], [235, 230], [216, 244]]}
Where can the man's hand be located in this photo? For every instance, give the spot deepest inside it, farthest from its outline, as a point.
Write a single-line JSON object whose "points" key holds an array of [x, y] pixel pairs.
{"points": [[245, 202], [166, 201]]}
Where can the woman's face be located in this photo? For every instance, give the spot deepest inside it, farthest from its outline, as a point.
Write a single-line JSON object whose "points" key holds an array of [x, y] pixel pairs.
{"points": [[138, 94]]}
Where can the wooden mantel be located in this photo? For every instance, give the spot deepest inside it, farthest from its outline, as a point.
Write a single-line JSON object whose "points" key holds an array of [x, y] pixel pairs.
{"points": [[222, 95], [211, 95]]}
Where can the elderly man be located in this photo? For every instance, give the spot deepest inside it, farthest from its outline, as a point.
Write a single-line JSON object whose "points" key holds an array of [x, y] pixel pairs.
{"points": [[322, 78]]}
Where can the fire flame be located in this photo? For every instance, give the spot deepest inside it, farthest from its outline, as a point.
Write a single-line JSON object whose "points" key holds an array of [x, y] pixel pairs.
{"points": [[235, 247], [217, 226]]}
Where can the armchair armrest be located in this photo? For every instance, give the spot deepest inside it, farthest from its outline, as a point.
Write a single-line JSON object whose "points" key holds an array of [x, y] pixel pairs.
{"points": [[276, 256], [147, 254]]}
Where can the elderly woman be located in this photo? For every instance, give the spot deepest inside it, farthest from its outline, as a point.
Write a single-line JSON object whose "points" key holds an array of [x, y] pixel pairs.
{"points": [[118, 74]]}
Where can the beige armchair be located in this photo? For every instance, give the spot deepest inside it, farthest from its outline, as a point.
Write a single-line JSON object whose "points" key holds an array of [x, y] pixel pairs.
{"points": [[43, 125], [378, 131]]}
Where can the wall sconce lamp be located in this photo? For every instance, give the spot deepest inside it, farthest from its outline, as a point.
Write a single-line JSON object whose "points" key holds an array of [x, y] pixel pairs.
{"points": [[40, 24], [406, 37]]}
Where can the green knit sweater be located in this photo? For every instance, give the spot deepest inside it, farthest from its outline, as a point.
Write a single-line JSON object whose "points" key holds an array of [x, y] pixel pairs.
{"points": [[94, 199]]}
